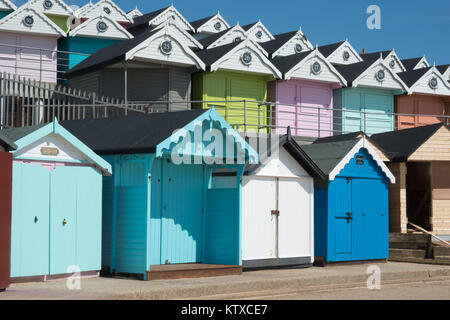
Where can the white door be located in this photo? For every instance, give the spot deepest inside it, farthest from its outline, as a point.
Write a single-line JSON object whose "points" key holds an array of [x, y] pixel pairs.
{"points": [[258, 224], [295, 220]]}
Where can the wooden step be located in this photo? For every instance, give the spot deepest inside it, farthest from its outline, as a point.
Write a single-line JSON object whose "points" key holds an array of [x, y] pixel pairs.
{"points": [[420, 260], [408, 237], [407, 253], [183, 271], [407, 245], [441, 251]]}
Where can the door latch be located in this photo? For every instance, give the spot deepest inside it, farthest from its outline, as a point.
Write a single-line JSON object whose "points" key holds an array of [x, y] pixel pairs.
{"points": [[64, 222], [36, 219], [349, 216]]}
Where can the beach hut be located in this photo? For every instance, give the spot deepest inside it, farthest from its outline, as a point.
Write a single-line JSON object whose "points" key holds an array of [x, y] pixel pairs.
{"points": [[415, 63], [89, 37], [108, 8], [278, 206], [236, 72], [420, 160], [258, 32], [304, 98], [286, 44], [209, 25], [367, 103], [56, 204], [29, 47], [6, 7], [351, 209], [6, 145], [154, 68], [168, 211], [428, 100], [227, 36], [340, 53]]}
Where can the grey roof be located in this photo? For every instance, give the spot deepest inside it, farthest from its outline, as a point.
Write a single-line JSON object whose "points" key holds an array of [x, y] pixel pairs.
{"points": [[409, 64], [207, 41], [249, 26], [352, 71], [109, 55], [7, 142], [210, 56], [16, 134], [280, 39], [328, 155], [443, 68], [400, 145], [412, 76], [146, 18], [286, 63], [375, 55], [341, 137], [198, 23], [328, 49]]}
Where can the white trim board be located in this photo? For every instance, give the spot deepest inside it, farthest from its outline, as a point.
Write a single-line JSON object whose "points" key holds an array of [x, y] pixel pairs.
{"points": [[362, 143], [7, 5], [286, 48], [337, 56], [59, 7], [258, 26], [209, 26], [171, 12], [99, 9]]}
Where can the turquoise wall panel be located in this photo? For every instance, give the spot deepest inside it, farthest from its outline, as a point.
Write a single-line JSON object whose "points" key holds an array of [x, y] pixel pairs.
{"points": [[63, 219], [108, 213], [30, 220], [89, 218], [4, 13], [154, 248], [223, 227]]}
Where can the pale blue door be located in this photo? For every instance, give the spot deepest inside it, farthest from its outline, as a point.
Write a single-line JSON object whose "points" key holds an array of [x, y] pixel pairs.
{"points": [[63, 207], [352, 118], [182, 218], [30, 220]]}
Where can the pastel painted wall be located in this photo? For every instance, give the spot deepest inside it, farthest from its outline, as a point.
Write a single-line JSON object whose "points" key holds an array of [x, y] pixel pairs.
{"points": [[30, 63], [79, 45], [60, 21], [222, 87], [298, 103], [352, 102], [416, 105]]}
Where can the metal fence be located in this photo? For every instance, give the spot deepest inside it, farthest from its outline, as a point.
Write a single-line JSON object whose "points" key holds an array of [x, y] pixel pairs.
{"points": [[37, 63], [25, 102]]}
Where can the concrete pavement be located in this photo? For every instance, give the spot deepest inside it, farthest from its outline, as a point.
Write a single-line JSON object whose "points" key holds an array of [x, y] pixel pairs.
{"points": [[272, 281]]}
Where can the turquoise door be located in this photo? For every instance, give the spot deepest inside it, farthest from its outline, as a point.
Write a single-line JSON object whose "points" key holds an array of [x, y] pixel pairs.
{"points": [[182, 217], [379, 109], [352, 118], [30, 220], [63, 207], [341, 191]]}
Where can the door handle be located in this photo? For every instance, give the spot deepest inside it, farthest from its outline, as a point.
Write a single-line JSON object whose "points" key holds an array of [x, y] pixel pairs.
{"points": [[36, 219], [64, 222]]}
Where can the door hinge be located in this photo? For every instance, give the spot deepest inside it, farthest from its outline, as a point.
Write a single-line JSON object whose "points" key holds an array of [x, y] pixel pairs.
{"points": [[275, 212]]}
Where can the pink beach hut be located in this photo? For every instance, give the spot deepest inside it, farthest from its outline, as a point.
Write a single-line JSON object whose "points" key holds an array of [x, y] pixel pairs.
{"points": [[304, 99]]}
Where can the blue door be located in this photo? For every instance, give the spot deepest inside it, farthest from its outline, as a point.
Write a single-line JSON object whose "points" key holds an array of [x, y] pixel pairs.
{"points": [[30, 220], [342, 220], [63, 207], [182, 213]]}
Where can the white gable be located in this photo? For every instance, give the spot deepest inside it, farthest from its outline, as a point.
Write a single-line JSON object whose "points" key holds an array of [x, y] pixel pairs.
{"points": [[259, 33], [291, 46], [214, 25], [174, 15], [229, 37], [56, 7], [180, 33], [79, 13], [152, 50], [423, 85], [344, 55], [234, 61], [394, 62], [369, 78], [281, 164], [423, 63], [109, 8], [134, 13], [40, 23], [7, 5], [91, 29], [63, 150], [304, 70], [446, 74]]}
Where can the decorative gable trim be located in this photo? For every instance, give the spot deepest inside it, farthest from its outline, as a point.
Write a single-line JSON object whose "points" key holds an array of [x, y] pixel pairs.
{"points": [[254, 29], [90, 29], [299, 36], [423, 63], [58, 7], [98, 9], [337, 56], [252, 47], [192, 42], [80, 12], [7, 5], [14, 22], [392, 56], [382, 66], [310, 60], [134, 13], [162, 17], [362, 143], [155, 43], [426, 83], [209, 26]]}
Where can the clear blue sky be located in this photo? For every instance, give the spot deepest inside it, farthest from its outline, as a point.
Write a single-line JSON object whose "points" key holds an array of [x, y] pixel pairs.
{"points": [[411, 27]]}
